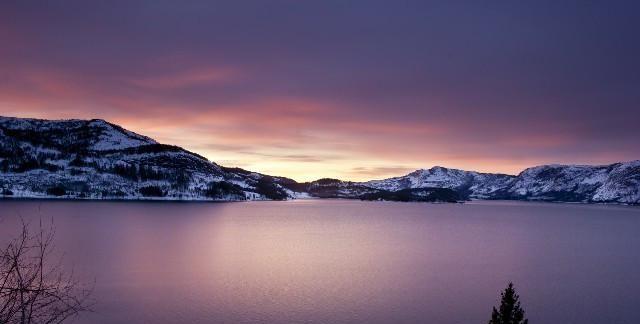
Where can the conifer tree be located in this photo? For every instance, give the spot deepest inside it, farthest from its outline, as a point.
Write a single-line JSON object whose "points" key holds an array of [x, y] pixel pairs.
{"points": [[510, 311]]}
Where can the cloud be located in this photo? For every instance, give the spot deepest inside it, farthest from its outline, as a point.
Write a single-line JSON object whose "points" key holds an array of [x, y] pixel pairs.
{"points": [[315, 89], [184, 79], [382, 171]]}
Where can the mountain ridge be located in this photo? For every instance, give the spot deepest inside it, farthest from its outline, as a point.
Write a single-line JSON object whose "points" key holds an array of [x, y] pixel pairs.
{"points": [[96, 159]]}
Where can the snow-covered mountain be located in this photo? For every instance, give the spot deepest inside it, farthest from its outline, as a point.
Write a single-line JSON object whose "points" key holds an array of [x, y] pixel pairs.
{"points": [[94, 159], [98, 160], [615, 183], [467, 183], [618, 182]]}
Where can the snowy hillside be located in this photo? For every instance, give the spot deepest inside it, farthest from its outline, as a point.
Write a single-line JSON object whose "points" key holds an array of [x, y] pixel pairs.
{"points": [[94, 159], [468, 183], [618, 182], [96, 134], [615, 183], [99, 160]]}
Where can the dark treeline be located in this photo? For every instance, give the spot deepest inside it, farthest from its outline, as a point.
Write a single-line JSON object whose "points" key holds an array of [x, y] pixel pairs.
{"points": [[15, 159]]}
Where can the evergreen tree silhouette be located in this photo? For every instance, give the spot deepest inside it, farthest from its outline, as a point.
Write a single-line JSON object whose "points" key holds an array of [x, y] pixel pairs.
{"points": [[510, 311]]}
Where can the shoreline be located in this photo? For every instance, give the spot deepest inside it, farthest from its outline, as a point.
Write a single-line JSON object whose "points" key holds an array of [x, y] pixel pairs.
{"points": [[178, 200]]}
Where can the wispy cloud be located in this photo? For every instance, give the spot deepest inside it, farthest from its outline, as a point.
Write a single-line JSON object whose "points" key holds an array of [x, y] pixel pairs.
{"points": [[381, 171], [202, 76], [355, 99]]}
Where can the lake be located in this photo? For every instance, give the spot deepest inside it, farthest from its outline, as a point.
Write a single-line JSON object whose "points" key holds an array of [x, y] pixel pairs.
{"points": [[339, 261]]}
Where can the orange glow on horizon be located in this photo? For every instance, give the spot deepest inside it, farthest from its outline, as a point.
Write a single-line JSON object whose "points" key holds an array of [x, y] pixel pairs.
{"points": [[319, 152], [293, 94]]}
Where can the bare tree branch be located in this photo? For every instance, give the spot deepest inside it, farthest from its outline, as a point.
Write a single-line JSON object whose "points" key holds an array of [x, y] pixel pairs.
{"points": [[34, 290]]}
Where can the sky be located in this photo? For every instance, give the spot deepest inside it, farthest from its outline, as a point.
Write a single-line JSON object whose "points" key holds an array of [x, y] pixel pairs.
{"points": [[345, 89]]}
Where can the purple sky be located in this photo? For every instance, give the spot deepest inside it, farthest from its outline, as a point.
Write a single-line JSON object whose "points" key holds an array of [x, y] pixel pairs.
{"points": [[348, 89]]}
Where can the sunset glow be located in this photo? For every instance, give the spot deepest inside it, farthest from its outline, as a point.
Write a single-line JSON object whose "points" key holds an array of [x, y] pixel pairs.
{"points": [[297, 89]]}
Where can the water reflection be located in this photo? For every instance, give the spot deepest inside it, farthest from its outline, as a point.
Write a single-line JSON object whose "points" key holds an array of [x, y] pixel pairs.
{"points": [[345, 261]]}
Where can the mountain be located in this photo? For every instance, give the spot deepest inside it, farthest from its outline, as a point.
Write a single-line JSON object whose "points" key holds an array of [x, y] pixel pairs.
{"points": [[95, 159], [468, 184], [99, 160], [614, 183]]}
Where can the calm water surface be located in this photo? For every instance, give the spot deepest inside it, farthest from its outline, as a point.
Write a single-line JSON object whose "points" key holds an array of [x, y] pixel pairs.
{"points": [[332, 261]]}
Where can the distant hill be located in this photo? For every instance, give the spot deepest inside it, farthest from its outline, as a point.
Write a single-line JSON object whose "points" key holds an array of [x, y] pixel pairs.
{"points": [[95, 159], [614, 183]]}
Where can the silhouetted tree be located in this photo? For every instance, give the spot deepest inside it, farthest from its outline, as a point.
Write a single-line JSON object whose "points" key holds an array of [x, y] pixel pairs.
{"points": [[32, 289], [510, 311]]}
